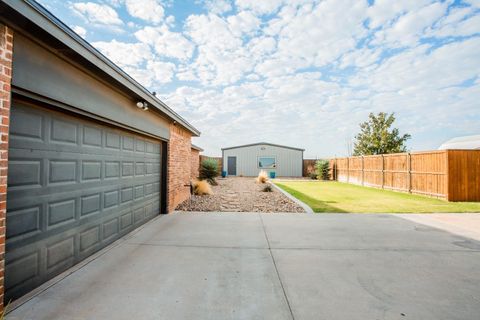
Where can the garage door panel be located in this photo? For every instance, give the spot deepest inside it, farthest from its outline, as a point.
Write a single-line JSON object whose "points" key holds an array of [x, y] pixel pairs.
{"points": [[33, 128], [37, 176], [75, 186], [57, 214]]}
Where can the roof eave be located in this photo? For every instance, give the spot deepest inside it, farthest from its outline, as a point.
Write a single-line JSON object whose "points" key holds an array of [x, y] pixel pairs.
{"points": [[197, 148]]}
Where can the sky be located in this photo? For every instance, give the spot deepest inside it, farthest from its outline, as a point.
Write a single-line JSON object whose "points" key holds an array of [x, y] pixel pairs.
{"points": [[296, 72]]}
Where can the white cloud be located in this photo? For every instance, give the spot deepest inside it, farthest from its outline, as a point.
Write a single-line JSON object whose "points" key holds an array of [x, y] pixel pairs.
{"points": [[97, 13], [218, 6], [163, 71], [259, 6], [185, 73], [407, 30], [416, 68], [243, 23], [457, 28], [221, 58], [170, 21], [125, 54], [148, 10], [142, 76], [341, 27], [115, 3], [360, 58], [82, 32], [261, 46], [473, 3], [166, 43], [211, 30], [383, 12], [154, 74]]}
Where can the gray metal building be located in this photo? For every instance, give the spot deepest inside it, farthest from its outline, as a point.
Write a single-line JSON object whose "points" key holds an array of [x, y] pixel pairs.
{"points": [[248, 160]]}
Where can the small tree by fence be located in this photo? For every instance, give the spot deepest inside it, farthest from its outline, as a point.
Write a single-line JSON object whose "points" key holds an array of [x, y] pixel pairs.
{"points": [[450, 174]]}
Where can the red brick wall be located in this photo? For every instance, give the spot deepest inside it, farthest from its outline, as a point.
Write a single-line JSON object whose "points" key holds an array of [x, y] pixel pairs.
{"points": [[179, 161], [6, 50], [194, 163]]}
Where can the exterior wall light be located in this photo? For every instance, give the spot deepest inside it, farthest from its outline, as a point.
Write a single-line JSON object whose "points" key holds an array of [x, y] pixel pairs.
{"points": [[142, 105]]}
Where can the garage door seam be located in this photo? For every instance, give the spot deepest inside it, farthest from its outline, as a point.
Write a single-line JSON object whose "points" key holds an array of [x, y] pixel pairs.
{"points": [[276, 269]]}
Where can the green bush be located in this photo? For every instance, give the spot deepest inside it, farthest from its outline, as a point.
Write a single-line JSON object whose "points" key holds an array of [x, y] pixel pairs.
{"points": [[209, 171], [313, 175], [322, 169]]}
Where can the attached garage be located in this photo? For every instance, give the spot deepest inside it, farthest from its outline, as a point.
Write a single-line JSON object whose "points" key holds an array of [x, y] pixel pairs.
{"points": [[74, 186], [84, 164]]}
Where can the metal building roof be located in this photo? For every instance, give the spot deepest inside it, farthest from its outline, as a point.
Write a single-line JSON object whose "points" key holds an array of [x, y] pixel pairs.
{"points": [[466, 142], [264, 143]]}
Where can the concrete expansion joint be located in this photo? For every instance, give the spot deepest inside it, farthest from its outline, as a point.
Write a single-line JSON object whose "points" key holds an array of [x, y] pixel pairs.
{"points": [[276, 268]]}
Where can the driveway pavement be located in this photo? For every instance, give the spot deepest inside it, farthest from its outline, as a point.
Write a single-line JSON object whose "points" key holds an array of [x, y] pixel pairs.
{"points": [[272, 266]]}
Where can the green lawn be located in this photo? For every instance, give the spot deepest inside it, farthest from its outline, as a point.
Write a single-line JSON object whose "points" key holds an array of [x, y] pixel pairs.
{"points": [[332, 196]]}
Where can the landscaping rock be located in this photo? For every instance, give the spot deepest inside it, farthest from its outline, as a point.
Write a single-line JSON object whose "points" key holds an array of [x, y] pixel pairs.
{"points": [[240, 194]]}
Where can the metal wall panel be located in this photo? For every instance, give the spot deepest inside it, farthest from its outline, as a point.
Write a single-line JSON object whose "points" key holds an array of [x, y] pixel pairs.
{"points": [[74, 186], [289, 161]]}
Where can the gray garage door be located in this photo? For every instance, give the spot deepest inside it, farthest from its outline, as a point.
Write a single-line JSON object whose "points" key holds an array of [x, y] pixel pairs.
{"points": [[74, 186]]}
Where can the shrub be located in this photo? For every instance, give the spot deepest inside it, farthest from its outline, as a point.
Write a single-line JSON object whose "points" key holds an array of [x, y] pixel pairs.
{"points": [[322, 169], [262, 177], [267, 188], [208, 171], [313, 175], [201, 187]]}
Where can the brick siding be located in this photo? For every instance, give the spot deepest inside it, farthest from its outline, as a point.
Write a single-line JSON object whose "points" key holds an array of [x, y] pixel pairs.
{"points": [[6, 51], [194, 163], [179, 162]]}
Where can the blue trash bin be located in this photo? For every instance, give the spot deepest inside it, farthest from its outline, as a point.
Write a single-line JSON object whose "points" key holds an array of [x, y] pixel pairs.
{"points": [[224, 174], [272, 174]]}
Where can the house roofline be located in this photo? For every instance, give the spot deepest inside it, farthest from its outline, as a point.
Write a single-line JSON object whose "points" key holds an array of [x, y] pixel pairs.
{"points": [[47, 22], [196, 148]]}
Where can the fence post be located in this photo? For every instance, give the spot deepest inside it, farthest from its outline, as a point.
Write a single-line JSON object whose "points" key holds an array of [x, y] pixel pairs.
{"points": [[348, 170], [335, 170], [363, 171], [409, 173], [383, 172]]}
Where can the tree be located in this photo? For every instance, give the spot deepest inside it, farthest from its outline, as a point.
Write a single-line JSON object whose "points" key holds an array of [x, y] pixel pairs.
{"points": [[377, 137], [322, 169]]}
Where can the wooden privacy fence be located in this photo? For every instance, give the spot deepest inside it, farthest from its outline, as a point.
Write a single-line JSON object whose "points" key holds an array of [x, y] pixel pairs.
{"points": [[453, 175], [308, 166]]}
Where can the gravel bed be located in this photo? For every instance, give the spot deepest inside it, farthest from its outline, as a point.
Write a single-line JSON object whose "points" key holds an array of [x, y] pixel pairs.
{"points": [[240, 194]]}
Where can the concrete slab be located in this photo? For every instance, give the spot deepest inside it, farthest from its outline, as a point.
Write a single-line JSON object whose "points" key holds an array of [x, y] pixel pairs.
{"points": [[166, 282], [272, 266], [205, 229], [464, 224], [357, 231], [349, 284]]}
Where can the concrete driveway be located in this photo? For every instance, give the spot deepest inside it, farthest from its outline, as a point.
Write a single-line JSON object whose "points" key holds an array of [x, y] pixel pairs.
{"points": [[272, 266]]}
